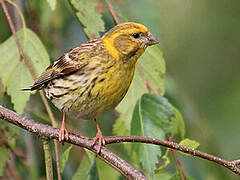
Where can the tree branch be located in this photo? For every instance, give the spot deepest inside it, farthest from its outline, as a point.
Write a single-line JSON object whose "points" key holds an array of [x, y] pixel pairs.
{"points": [[50, 132], [105, 154]]}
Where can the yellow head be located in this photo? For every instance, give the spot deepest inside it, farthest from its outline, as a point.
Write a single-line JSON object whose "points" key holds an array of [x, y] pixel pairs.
{"points": [[127, 40]]}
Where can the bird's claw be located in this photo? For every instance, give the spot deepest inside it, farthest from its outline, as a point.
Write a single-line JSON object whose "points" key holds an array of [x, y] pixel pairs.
{"points": [[63, 134], [100, 139]]}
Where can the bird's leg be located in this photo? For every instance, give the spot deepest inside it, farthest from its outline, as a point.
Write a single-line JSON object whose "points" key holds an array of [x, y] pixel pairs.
{"points": [[98, 138], [63, 133]]}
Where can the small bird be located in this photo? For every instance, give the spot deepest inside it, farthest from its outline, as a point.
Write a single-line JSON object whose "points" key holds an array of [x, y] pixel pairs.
{"points": [[93, 77]]}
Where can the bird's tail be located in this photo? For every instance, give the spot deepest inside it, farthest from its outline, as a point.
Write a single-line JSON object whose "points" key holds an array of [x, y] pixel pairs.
{"points": [[27, 89], [33, 87]]}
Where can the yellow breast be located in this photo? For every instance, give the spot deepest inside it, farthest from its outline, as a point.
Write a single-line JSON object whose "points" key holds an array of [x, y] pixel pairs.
{"points": [[108, 90]]}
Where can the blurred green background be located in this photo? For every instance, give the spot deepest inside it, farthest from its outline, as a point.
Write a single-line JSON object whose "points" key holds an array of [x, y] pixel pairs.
{"points": [[200, 41]]}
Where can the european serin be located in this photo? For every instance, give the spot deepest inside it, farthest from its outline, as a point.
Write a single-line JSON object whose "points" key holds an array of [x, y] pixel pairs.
{"points": [[93, 77]]}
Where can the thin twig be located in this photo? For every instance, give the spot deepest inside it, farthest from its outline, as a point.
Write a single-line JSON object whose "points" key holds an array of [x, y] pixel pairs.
{"points": [[149, 86], [119, 164], [114, 15], [52, 133], [179, 167], [57, 159], [231, 165], [11, 170], [34, 77]]}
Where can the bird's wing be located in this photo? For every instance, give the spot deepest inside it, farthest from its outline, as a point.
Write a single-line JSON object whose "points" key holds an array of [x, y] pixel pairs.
{"points": [[70, 62]]}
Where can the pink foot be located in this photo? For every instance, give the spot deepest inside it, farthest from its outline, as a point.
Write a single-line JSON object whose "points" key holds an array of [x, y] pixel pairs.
{"points": [[63, 133], [100, 139]]}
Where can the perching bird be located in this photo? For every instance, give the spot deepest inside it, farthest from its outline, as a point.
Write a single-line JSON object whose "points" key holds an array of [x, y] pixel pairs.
{"points": [[93, 77]]}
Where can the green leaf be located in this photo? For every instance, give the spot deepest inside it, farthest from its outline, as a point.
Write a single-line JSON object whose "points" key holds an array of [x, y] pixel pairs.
{"points": [[178, 124], [104, 170], [178, 177], [190, 144], [52, 4], [18, 81], [64, 158], [153, 67], [88, 16], [93, 173], [5, 100], [5, 155], [87, 168], [14, 72], [151, 118]]}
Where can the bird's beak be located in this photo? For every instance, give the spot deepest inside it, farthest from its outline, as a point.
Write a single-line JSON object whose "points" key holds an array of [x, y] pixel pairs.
{"points": [[151, 40]]}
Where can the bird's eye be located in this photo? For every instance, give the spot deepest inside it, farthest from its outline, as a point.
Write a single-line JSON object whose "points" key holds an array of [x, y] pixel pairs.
{"points": [[136, 35]]}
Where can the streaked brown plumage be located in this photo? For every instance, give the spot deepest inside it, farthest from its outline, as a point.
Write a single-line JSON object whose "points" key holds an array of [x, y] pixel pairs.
{"points": [[92, 78]]}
